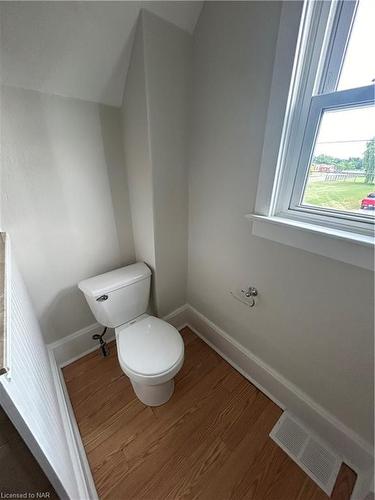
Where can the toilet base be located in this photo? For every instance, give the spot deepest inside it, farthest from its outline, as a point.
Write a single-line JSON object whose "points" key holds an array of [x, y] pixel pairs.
{"points": [[153, 395]]}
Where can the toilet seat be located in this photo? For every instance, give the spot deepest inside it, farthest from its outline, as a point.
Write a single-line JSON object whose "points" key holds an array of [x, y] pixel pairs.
{"points": [[150, 350]]}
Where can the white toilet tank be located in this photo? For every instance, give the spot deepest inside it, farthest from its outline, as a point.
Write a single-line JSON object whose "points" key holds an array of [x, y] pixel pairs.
{"points": [[118, 296]]}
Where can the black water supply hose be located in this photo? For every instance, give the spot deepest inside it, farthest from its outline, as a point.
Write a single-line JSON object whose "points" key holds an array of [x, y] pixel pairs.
{"points": [[104, 349]]}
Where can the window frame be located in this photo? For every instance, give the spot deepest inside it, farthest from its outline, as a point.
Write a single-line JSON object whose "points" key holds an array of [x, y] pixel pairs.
{"points": [[318, 63], [344, 99], [271, 217]]}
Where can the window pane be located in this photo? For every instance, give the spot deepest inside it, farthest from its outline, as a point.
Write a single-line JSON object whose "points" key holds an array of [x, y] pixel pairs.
{"points": [[359, 62], [341, 174]]}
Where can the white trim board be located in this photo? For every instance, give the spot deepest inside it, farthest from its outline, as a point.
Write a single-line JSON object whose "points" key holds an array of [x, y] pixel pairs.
{"points": [[76, 449], [350, 446], [357, 250], [179, 317], [78, 344], [62, 353]]}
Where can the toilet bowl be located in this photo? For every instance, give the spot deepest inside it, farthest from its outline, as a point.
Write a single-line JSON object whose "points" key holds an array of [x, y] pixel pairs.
{"points": [[150, 350], [151, 353]]}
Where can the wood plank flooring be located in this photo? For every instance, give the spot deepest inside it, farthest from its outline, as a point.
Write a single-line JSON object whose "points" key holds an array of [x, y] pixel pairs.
{"points": [[210, 441]]}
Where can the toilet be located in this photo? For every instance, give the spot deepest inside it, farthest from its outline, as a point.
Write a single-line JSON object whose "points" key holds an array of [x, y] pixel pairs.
{"points": [[150, 350]]}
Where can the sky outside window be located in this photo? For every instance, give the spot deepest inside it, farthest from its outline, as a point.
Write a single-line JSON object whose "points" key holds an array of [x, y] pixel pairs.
{"points": [[359, 63]]}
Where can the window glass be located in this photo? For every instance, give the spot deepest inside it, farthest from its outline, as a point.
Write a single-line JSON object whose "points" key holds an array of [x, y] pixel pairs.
{"points": [[359, 63], [341, 173]]}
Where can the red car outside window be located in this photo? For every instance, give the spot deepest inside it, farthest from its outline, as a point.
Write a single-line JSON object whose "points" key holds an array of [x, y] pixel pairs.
{"points": [[369, 201]]}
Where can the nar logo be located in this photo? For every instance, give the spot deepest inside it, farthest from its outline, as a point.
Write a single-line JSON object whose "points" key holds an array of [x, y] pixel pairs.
{"points": [[26, 494]]}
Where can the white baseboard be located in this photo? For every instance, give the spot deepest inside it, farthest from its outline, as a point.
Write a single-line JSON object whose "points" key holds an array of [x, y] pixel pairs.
{"points": [[62, 353], [357, 453], [77, 452], [179, 317], [78, 344]]}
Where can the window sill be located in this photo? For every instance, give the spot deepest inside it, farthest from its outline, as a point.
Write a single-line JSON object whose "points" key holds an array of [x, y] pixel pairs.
{"points": [[344, 246]]}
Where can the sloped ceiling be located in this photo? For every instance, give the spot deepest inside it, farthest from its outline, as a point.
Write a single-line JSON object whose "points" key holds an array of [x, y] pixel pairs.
{"points": [[77, 49]]}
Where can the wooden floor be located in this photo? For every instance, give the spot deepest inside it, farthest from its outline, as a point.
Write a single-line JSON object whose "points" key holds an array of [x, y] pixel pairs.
{"points": [[210, 441]]}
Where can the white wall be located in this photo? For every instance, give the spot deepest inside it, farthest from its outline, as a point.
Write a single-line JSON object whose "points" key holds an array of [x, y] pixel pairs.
{"points": [[314, 319], [28, 392], [75, 49], [61, 160], [168, 58], [155, 118], [138, 155]]}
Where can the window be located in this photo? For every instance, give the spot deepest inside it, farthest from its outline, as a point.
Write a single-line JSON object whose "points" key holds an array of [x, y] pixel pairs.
{"points": [[326, 164]]}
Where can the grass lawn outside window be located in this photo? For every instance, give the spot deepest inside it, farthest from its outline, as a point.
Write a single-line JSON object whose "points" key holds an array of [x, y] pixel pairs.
{"points": [[340, 195]]}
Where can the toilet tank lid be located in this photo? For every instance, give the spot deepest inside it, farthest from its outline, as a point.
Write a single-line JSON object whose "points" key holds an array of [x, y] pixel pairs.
{"points": [[113, 280]]}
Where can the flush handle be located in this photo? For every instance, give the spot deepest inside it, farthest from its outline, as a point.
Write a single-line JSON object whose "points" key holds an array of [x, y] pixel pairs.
{"points": [[102, 298]]}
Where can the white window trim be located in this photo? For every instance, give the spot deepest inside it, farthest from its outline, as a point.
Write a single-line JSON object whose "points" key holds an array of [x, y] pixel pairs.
{"points": [[319, 103], [270, 221]]}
